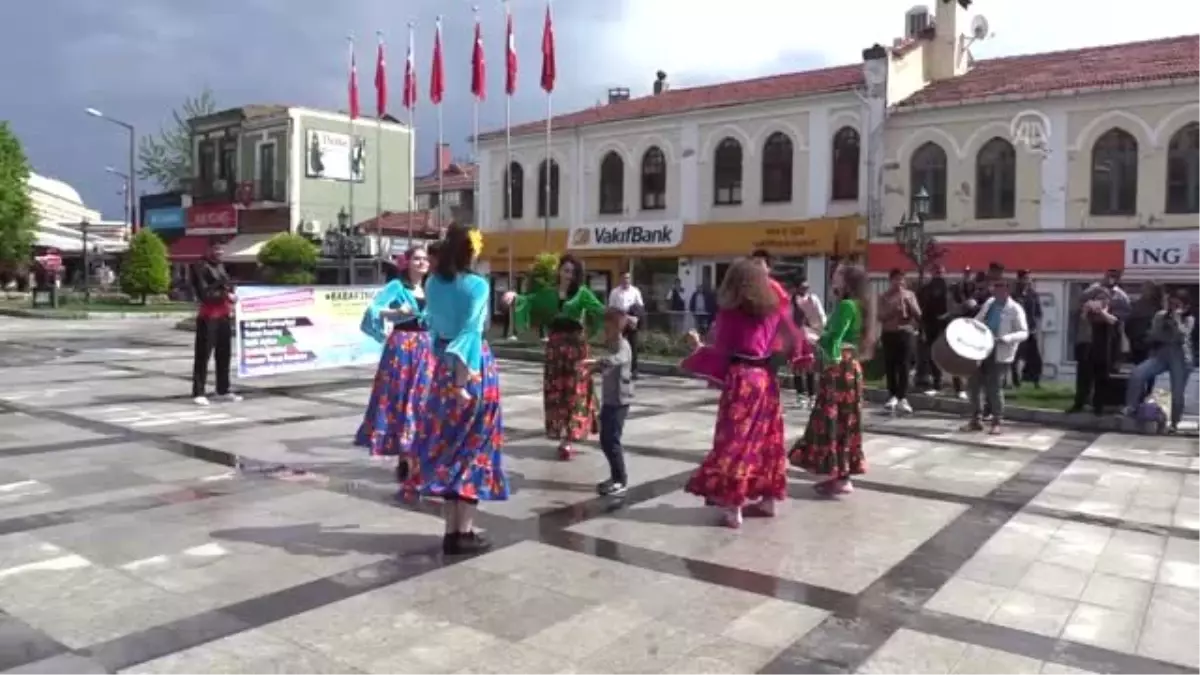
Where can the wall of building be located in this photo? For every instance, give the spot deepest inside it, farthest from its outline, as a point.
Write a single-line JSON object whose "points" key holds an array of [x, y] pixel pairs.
{"points": [[1053, 183], [388, 162]]}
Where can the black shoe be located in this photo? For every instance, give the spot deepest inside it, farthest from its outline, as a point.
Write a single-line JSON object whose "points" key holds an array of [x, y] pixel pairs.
{"points": [[464, 543], [402, 471], [611, 488]]}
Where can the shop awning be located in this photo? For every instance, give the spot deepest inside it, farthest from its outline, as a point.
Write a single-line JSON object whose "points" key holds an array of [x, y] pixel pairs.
{"points": [[63, 243], [244, 248], [187, 248]]}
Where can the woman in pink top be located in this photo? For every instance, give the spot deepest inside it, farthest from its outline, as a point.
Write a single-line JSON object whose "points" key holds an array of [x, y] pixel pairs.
{"points": [[748, 462]]}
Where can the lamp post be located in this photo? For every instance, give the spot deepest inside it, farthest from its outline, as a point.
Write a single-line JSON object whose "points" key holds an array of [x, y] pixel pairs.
{"points": [[125, 178], [345, 244], [917, 246], [87, 262], [132, 150]]}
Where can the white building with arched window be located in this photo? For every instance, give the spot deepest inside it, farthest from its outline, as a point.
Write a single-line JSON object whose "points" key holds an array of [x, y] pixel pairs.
{"points": [[1066, 164], [679, 183], [60, 211]]}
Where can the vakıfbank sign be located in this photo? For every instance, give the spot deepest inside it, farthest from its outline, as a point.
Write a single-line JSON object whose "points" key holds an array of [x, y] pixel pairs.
{"points": [[601, 236]]}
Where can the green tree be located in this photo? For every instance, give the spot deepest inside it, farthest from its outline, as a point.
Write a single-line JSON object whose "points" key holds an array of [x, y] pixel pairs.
{"points": [[166, 158], [289, 259], [18, 223], [145, 270]]}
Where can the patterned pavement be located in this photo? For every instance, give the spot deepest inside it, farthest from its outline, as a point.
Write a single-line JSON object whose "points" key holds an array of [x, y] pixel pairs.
{"points": [[141, 534]]}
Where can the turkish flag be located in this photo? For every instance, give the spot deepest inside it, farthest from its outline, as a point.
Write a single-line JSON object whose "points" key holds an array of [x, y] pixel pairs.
{"points": [[437, 77], [380, 82], [549, 68], [353, 85], [478, 66], [410, 76], [510, 61]]}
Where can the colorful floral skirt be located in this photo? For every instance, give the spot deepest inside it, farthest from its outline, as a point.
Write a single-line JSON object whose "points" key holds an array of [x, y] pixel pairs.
{"points": [[456, 451], [748, 460], [832, 442], [401, 387], [569, 394]]}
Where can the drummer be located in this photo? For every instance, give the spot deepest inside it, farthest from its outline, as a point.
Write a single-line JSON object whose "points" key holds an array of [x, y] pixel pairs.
{"points": [[1005, 317]]}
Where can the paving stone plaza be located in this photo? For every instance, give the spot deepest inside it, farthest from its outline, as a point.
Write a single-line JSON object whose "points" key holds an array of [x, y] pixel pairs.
{"points": [[140, 533]]}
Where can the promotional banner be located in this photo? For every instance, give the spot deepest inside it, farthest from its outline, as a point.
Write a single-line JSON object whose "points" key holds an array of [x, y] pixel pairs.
{"points": [[291, 329]]}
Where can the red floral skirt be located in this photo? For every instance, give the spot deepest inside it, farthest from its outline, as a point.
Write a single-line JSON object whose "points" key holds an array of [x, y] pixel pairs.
{"points": [[569, 394], [748, 459]]}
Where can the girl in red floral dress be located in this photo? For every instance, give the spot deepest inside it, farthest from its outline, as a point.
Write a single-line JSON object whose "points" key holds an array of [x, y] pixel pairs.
{"points": [[748, 462]]}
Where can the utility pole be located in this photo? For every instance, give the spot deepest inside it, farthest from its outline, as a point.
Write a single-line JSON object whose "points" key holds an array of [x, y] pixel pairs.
{"points": [[87, 266]]}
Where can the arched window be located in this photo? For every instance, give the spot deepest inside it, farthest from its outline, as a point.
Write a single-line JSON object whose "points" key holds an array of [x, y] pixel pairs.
{"points": [[612, 184], [1183, 170], [727, 173], [1114, 174], [927, 170], [845, 164], [548, 190], [514, 195], [996, 180], [654, 180], [777, 169]]}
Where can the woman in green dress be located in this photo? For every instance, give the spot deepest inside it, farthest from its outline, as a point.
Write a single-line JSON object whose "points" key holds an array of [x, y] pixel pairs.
{"points": [[570, 312], [832, 446]]}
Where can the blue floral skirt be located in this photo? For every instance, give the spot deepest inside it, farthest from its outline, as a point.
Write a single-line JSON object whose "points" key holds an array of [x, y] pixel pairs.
{"points": [[456, 451], [398, 396]]}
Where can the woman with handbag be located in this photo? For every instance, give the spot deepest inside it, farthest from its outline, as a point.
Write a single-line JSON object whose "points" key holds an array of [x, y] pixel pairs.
{"points": [[405, 369], [746, 470]]}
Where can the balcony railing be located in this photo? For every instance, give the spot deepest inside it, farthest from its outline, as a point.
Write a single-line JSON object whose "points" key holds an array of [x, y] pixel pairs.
{"points": [[214, 190]]}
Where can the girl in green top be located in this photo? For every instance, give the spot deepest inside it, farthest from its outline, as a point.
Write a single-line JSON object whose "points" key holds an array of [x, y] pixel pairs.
{"points": [[832, 442], [571, 312]]}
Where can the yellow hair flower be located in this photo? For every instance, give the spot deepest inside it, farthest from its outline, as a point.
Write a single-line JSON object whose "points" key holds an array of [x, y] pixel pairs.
{"points": [[476, 238]]}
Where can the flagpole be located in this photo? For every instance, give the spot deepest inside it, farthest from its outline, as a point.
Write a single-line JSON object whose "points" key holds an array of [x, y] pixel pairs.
{"points": [[350, 157], [549, 158], [440, 142], [508, 152], [410, 70], [379, 175], [475, 134]]}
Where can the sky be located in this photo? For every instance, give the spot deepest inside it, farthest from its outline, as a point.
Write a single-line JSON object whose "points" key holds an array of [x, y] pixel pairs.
{"points": [[136, 60]]}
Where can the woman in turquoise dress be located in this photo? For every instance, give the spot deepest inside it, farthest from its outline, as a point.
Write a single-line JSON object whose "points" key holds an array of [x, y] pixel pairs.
{"points": [[460, 432], [570, 312], [832, 443], [405, 369]]}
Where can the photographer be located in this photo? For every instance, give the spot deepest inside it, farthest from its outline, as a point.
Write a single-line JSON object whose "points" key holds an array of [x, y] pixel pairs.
{"points": [[214, 325], [1169, 353]]}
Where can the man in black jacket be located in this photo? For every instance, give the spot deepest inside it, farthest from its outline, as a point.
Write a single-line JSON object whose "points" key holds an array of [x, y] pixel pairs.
{"points": [[934, 301], [214, 325], [1028, 364]]}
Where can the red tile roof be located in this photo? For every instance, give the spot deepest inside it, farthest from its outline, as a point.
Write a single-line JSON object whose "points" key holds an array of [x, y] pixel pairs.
{"points": [[398, 223], [1050, 72], [456, 177], [672, 101]]}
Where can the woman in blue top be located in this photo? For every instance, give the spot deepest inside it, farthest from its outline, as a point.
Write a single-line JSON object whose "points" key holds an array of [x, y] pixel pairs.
{"points": [[405, 369], [460, 431]]}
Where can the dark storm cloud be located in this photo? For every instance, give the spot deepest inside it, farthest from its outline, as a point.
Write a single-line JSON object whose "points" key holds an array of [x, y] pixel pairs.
{"points": [[137, 59]]}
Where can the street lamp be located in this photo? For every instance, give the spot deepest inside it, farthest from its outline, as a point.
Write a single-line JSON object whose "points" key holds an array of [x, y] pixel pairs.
{"points": [[132, 178], [919, 247], [128, 195], [345, 242]]}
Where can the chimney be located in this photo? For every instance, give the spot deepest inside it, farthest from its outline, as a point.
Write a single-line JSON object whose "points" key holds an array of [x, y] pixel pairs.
{"points": [[660, 82], [442, 158], [942, 60], [618, 94]]}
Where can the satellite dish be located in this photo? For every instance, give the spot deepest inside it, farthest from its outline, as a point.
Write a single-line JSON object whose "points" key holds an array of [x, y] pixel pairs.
{"points": [[979, 27]]}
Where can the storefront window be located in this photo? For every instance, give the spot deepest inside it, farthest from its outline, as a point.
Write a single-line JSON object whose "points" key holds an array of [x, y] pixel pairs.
{"points": [[789, 271], [655, 277]]}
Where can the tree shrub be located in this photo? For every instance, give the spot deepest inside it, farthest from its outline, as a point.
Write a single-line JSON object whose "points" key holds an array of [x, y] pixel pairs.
{"points": [[289, 260], [145, 270]]}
